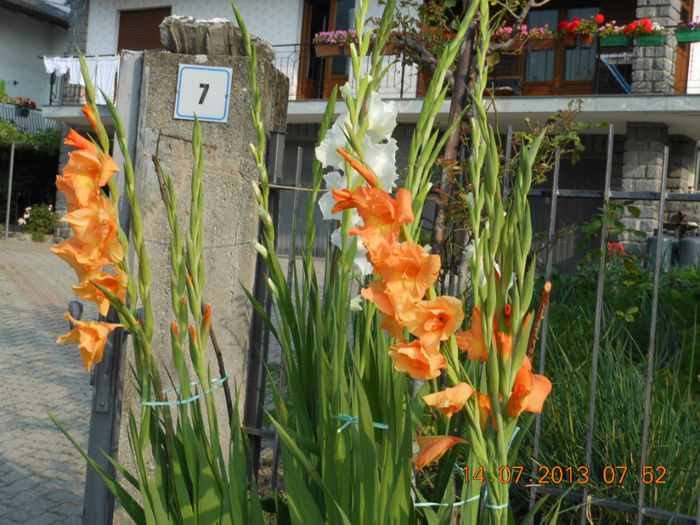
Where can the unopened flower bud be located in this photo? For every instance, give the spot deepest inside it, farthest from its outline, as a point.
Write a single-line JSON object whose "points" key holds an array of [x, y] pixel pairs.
{"points": [[256, 190], [265, 216], [259, 248], [273, 288]]}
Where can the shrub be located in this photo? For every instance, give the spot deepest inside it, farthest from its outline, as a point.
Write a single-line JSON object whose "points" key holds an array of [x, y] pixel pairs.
{"points": [[38, 220]]}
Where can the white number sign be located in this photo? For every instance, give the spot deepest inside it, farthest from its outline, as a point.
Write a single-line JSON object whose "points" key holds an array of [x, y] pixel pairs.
{"points": [[203, 91]]}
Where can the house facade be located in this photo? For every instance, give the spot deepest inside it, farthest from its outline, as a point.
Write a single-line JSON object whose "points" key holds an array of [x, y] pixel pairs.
{"points": [[648, 92], [27, 29]]}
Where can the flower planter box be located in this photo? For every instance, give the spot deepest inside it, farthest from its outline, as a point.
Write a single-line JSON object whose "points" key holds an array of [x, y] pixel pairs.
{"points": [[569, 39], [586, 40], [515, 45], [650, 40], [614, 41], [328, 50], [541, 44], [424, 79], [688, 35], [21, 112], [389, 50]]}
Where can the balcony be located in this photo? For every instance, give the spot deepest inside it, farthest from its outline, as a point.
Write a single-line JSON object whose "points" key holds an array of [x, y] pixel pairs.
{"points": [[26, 120], [539, 83]]}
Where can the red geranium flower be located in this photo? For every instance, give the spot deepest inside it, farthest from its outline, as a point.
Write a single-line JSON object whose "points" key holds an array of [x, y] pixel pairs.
{"points": [[599, 19]]}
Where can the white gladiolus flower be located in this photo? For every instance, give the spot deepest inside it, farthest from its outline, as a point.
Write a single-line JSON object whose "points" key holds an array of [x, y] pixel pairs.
{"points": [[356, 303], [334, 181], [381, 116], [379, 154]]}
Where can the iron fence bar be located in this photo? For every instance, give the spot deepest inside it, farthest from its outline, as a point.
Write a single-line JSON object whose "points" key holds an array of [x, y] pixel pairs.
{"points": [[649, 512], [255, 386], [9, 190], [290, 270], [545, 321], [598, 317], [652, 336], [622, 195]]}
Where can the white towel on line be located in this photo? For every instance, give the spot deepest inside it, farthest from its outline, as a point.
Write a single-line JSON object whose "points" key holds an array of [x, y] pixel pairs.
{"points": [[58, 65], [107, 70], [74, 74]]}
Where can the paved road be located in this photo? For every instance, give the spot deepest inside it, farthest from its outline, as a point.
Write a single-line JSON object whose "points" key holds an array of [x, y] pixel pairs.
{"points": [[42, 475]]}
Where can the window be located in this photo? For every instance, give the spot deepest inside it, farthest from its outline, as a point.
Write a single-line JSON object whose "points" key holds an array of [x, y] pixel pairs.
{"points": [[138, 29]]}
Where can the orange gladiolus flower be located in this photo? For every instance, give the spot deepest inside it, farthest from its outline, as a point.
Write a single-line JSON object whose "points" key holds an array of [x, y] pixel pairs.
{"points": [[409, 264], [96, 228], [90, 336], [416, 360], [76, 139], [433, 321], [114, 283], [361, 169], [83, 177], [382, 215], [87, 111], [484, 409], [433, 448], [73, 252], [504, 343], [450, 400], [390, 298], [472, 341], [529, 390]]}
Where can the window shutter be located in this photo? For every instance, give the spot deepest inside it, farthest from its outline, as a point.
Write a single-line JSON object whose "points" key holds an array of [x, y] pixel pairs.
{"points": [[138, 29]]}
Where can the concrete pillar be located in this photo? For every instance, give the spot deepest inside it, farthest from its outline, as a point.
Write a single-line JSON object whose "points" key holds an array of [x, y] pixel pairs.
{"points": [[230, 207], [653, 67]]}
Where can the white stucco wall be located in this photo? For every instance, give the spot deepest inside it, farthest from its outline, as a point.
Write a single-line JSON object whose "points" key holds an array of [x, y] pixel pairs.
{"points": [[22, 39], [277, 21]]}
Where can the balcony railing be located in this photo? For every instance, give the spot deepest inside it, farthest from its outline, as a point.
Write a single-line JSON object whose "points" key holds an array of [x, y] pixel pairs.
{"points": [[26, 120], [401, 81]]}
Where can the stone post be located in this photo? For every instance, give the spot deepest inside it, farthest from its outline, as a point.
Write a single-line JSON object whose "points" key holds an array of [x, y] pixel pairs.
{"points": [[230, 220], [653, 67]]}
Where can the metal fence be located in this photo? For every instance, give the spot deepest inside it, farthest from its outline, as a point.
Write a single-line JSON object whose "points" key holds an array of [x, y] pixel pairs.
{"points": [[295, 193]]}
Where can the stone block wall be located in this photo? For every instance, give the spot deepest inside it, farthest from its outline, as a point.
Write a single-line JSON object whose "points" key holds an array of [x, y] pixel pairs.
{"points": [[653, 67], [681, 178], [77, 31], [641, 171]]}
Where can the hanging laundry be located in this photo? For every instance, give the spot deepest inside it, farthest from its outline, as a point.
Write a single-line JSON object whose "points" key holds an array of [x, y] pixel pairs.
{"points": [[107, 71], [58, 65]]}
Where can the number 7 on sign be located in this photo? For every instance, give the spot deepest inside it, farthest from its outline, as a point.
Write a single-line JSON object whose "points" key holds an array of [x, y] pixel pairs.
{"points": [[205, 89]]}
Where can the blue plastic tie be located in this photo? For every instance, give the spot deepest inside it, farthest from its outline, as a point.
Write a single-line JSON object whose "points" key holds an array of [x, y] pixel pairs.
{"points": [[455, 504], [490, 505], [355, 420], [216, 383]]}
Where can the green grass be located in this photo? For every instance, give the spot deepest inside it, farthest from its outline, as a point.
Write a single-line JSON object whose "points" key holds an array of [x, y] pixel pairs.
{"points": [[674, 443]]}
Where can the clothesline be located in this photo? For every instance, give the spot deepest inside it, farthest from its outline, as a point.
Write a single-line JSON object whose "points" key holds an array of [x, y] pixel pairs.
{"points": [[102, 70], [76, 56]]}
